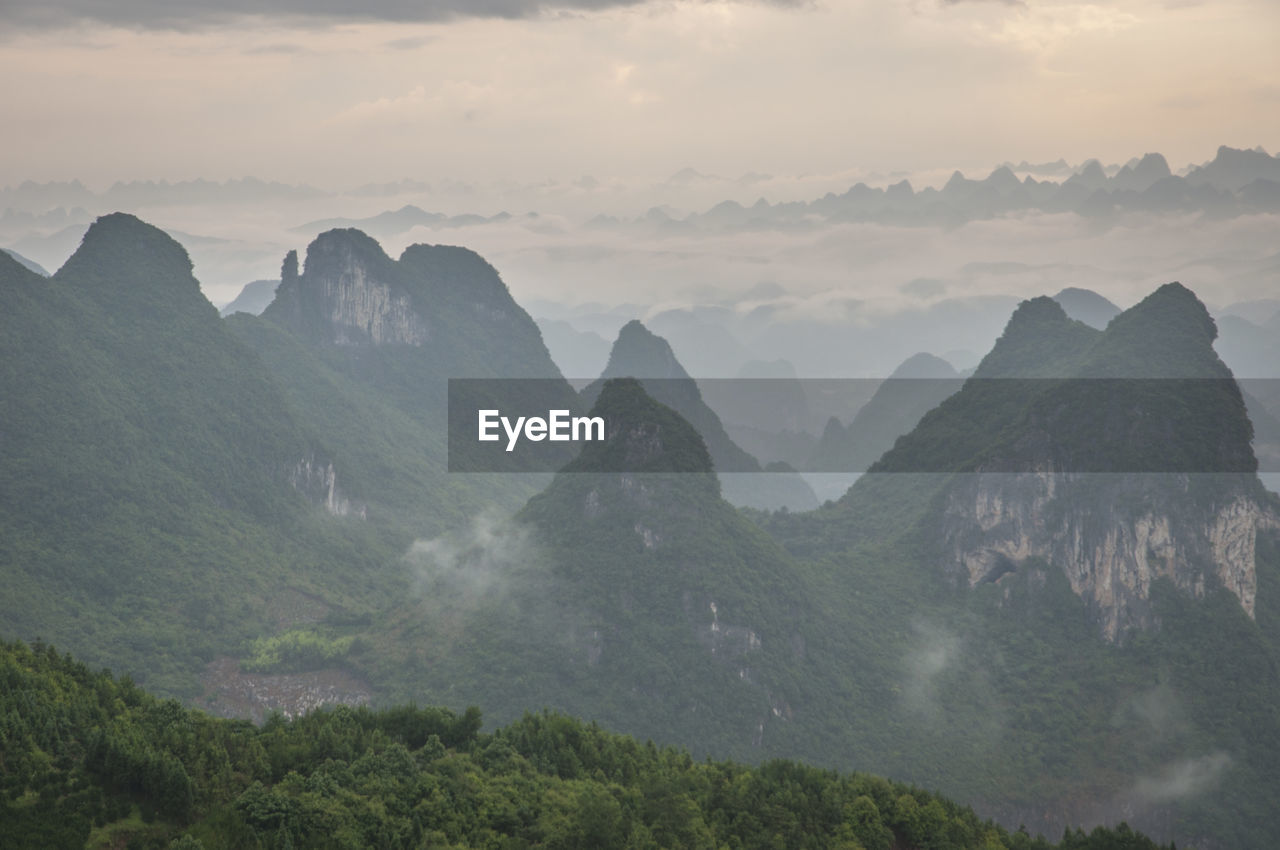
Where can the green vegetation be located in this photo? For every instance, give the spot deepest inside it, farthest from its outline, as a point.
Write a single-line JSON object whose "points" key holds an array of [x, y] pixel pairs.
{"points": [[296, 649], [89, 761], [148, 518], [181, 490]]}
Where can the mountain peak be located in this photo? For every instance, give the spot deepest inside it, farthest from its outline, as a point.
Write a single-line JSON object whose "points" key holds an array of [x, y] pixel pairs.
{"points": [[12, 267], [1154, 163], [122, 248], [924, 365], [1040, 340], [1167, 334], [340, 245], [1085, 305], [640, 353], [641, 435], [454, 273]]}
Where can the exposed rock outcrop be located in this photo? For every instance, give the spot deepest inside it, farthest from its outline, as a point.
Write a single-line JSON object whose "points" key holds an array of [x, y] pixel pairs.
{"points": [[318, 481], [1120, 457], [1112, 535]]}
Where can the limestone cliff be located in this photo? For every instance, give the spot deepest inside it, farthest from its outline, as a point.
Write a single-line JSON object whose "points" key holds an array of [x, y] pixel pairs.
{"points": [[350, 294], [445, 302], [1121, 458], [1113, 535], [318, 481]]}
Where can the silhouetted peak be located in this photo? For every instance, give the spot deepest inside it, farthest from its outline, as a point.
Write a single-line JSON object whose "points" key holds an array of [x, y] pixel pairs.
{"points": [[289, 268], [1153, 164], [641, 435], [12, 269], [640, 353], [1003, 179], [956, 181], [1090, 175], [1168, 334], [1039, 340], [1173, 307], [1085, 305], [455, 272], [123, 253], [339, 247], [924, 365], [1035, 312]]}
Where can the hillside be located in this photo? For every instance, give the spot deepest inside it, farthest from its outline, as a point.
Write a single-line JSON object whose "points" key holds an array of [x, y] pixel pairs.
{"points": [[917, 386], [628, 592], [153, 477], [639, 353], [91, 761], [1065, 583]]}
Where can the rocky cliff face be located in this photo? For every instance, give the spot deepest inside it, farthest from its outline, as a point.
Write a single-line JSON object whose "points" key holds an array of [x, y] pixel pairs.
{"points": [[361, 310], [318, 481], [1120, 457], [1112, 535], [438, 311], [350, 294]]}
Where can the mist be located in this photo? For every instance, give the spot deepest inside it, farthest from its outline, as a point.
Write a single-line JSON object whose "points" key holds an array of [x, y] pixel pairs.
{"points": [[477, 564], [1184, 778]]}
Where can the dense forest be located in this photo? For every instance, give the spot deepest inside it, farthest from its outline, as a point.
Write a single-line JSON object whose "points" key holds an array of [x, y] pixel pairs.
{"points": [[90, 760]]}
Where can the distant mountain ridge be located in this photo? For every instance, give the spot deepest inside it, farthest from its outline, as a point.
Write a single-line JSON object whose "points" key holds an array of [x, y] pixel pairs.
{"points": [[1235, 182], [253, 299]]}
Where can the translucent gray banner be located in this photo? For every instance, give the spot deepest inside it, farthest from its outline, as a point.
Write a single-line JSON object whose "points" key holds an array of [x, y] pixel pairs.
{"points": [[1191, 425]]}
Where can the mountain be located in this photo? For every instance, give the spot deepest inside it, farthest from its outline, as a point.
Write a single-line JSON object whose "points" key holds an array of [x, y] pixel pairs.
{"points": [[1233, 169], [1055, 598], [1250, 349], [915, 387], [393, 222], [578, 353], [1072, 550], [628, 592], [443, 305], [639, 353], [30, 265], [183, 490], [1197, 534], [1085, 305], [365, 346], [765, 410], [155, 479], [1235, 183], [114, 762], [1142, 175], [253, 299]]}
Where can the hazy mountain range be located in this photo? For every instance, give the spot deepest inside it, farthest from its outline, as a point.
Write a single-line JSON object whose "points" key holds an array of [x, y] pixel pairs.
{"points": [[1053, 597]]}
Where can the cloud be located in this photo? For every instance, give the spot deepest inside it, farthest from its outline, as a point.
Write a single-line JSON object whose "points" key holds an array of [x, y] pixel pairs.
{"points": [[934, 651], [1185, 778], [476, 564], [200, 14], [410, 43]]}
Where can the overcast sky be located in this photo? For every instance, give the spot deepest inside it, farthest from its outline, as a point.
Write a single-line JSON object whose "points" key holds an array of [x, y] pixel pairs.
{"points": [[527, 90]]}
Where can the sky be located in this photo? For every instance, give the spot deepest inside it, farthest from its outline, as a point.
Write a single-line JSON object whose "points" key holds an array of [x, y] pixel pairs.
{"points": [[525, 90]]}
